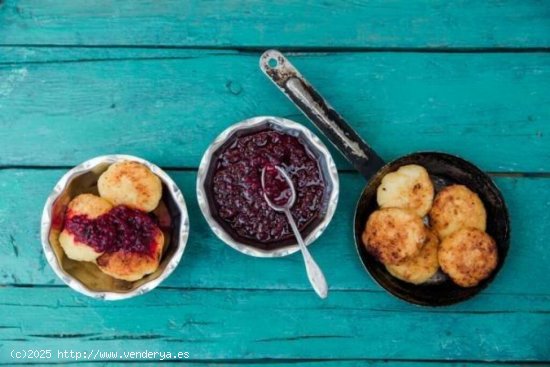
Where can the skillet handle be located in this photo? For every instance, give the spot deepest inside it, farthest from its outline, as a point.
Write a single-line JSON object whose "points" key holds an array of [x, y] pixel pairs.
{"points": [[289, 80]]}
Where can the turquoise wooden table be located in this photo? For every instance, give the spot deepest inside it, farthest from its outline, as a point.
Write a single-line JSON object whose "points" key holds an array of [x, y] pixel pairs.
{"points": [[161, 79]]}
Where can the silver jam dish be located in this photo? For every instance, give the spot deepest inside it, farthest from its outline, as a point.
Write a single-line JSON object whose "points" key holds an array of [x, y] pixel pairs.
{"points": [[85, 277], [312, 143]]}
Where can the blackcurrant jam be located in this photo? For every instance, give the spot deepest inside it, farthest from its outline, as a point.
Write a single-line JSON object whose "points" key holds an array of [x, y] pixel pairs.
{"points": [[121, 228], [237, 189]]}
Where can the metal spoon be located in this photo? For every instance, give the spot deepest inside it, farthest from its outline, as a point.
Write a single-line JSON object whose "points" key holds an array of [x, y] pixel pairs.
{"points": [[314, 273]]}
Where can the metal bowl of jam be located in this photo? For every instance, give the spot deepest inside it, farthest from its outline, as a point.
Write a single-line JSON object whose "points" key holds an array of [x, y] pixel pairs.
{"points": [[230, 194], [85, 277]]}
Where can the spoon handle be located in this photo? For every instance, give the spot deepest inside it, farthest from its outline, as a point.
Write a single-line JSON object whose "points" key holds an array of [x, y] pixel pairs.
{"points": [[314, 273]]}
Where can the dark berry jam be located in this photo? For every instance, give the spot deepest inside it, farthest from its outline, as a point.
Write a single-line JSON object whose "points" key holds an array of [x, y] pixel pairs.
{"points": [[237, 189], [121, 228]]}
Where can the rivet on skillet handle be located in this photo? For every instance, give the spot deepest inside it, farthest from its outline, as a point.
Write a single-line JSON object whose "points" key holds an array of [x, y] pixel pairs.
{"points": [[289, 80]]}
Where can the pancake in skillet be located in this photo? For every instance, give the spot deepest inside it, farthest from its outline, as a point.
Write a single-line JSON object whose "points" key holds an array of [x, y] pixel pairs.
{"points": [[468, 256], [419, 268], [393, 235], [410, 187], [457, 207]]}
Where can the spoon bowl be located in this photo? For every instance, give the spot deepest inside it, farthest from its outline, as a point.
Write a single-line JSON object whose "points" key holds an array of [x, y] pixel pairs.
{"points": [[290, 201]]}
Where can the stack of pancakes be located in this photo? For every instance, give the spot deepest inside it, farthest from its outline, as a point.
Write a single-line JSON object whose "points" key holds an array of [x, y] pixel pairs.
{"points": [[397, 235]]}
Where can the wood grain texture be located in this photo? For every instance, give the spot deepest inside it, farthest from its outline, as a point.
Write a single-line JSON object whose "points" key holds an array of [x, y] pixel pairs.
{"points": [[160, 79], [208, 263], [326, 24], [61, 107], [230, 324], [316, 362]]}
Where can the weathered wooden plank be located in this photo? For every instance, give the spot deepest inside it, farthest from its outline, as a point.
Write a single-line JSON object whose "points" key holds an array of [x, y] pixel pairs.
{"points": [[237, 324], [208, 263], [327, 24], [356, 363], [493, 109], [313, 363], [51, 54], [292, 362], [302, 362]]}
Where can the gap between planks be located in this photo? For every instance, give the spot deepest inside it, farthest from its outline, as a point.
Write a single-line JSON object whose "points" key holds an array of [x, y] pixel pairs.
{"points": [[290, 290], [256, 51], [342, 171], [298, 49]]}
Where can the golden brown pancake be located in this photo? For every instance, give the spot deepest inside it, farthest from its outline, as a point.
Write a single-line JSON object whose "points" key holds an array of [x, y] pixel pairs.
{"points": [[394, 234], [456, 207], [131, 266], [468, 256], [132, 184], [410, 187], [417, 269], [92, 207]]}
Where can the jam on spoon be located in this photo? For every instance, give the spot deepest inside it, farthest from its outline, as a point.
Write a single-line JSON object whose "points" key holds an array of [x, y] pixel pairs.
{"points": [[275, 186]]}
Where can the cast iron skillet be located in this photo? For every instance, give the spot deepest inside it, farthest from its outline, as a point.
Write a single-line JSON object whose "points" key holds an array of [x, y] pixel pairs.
{"points": [[444, 170]]}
